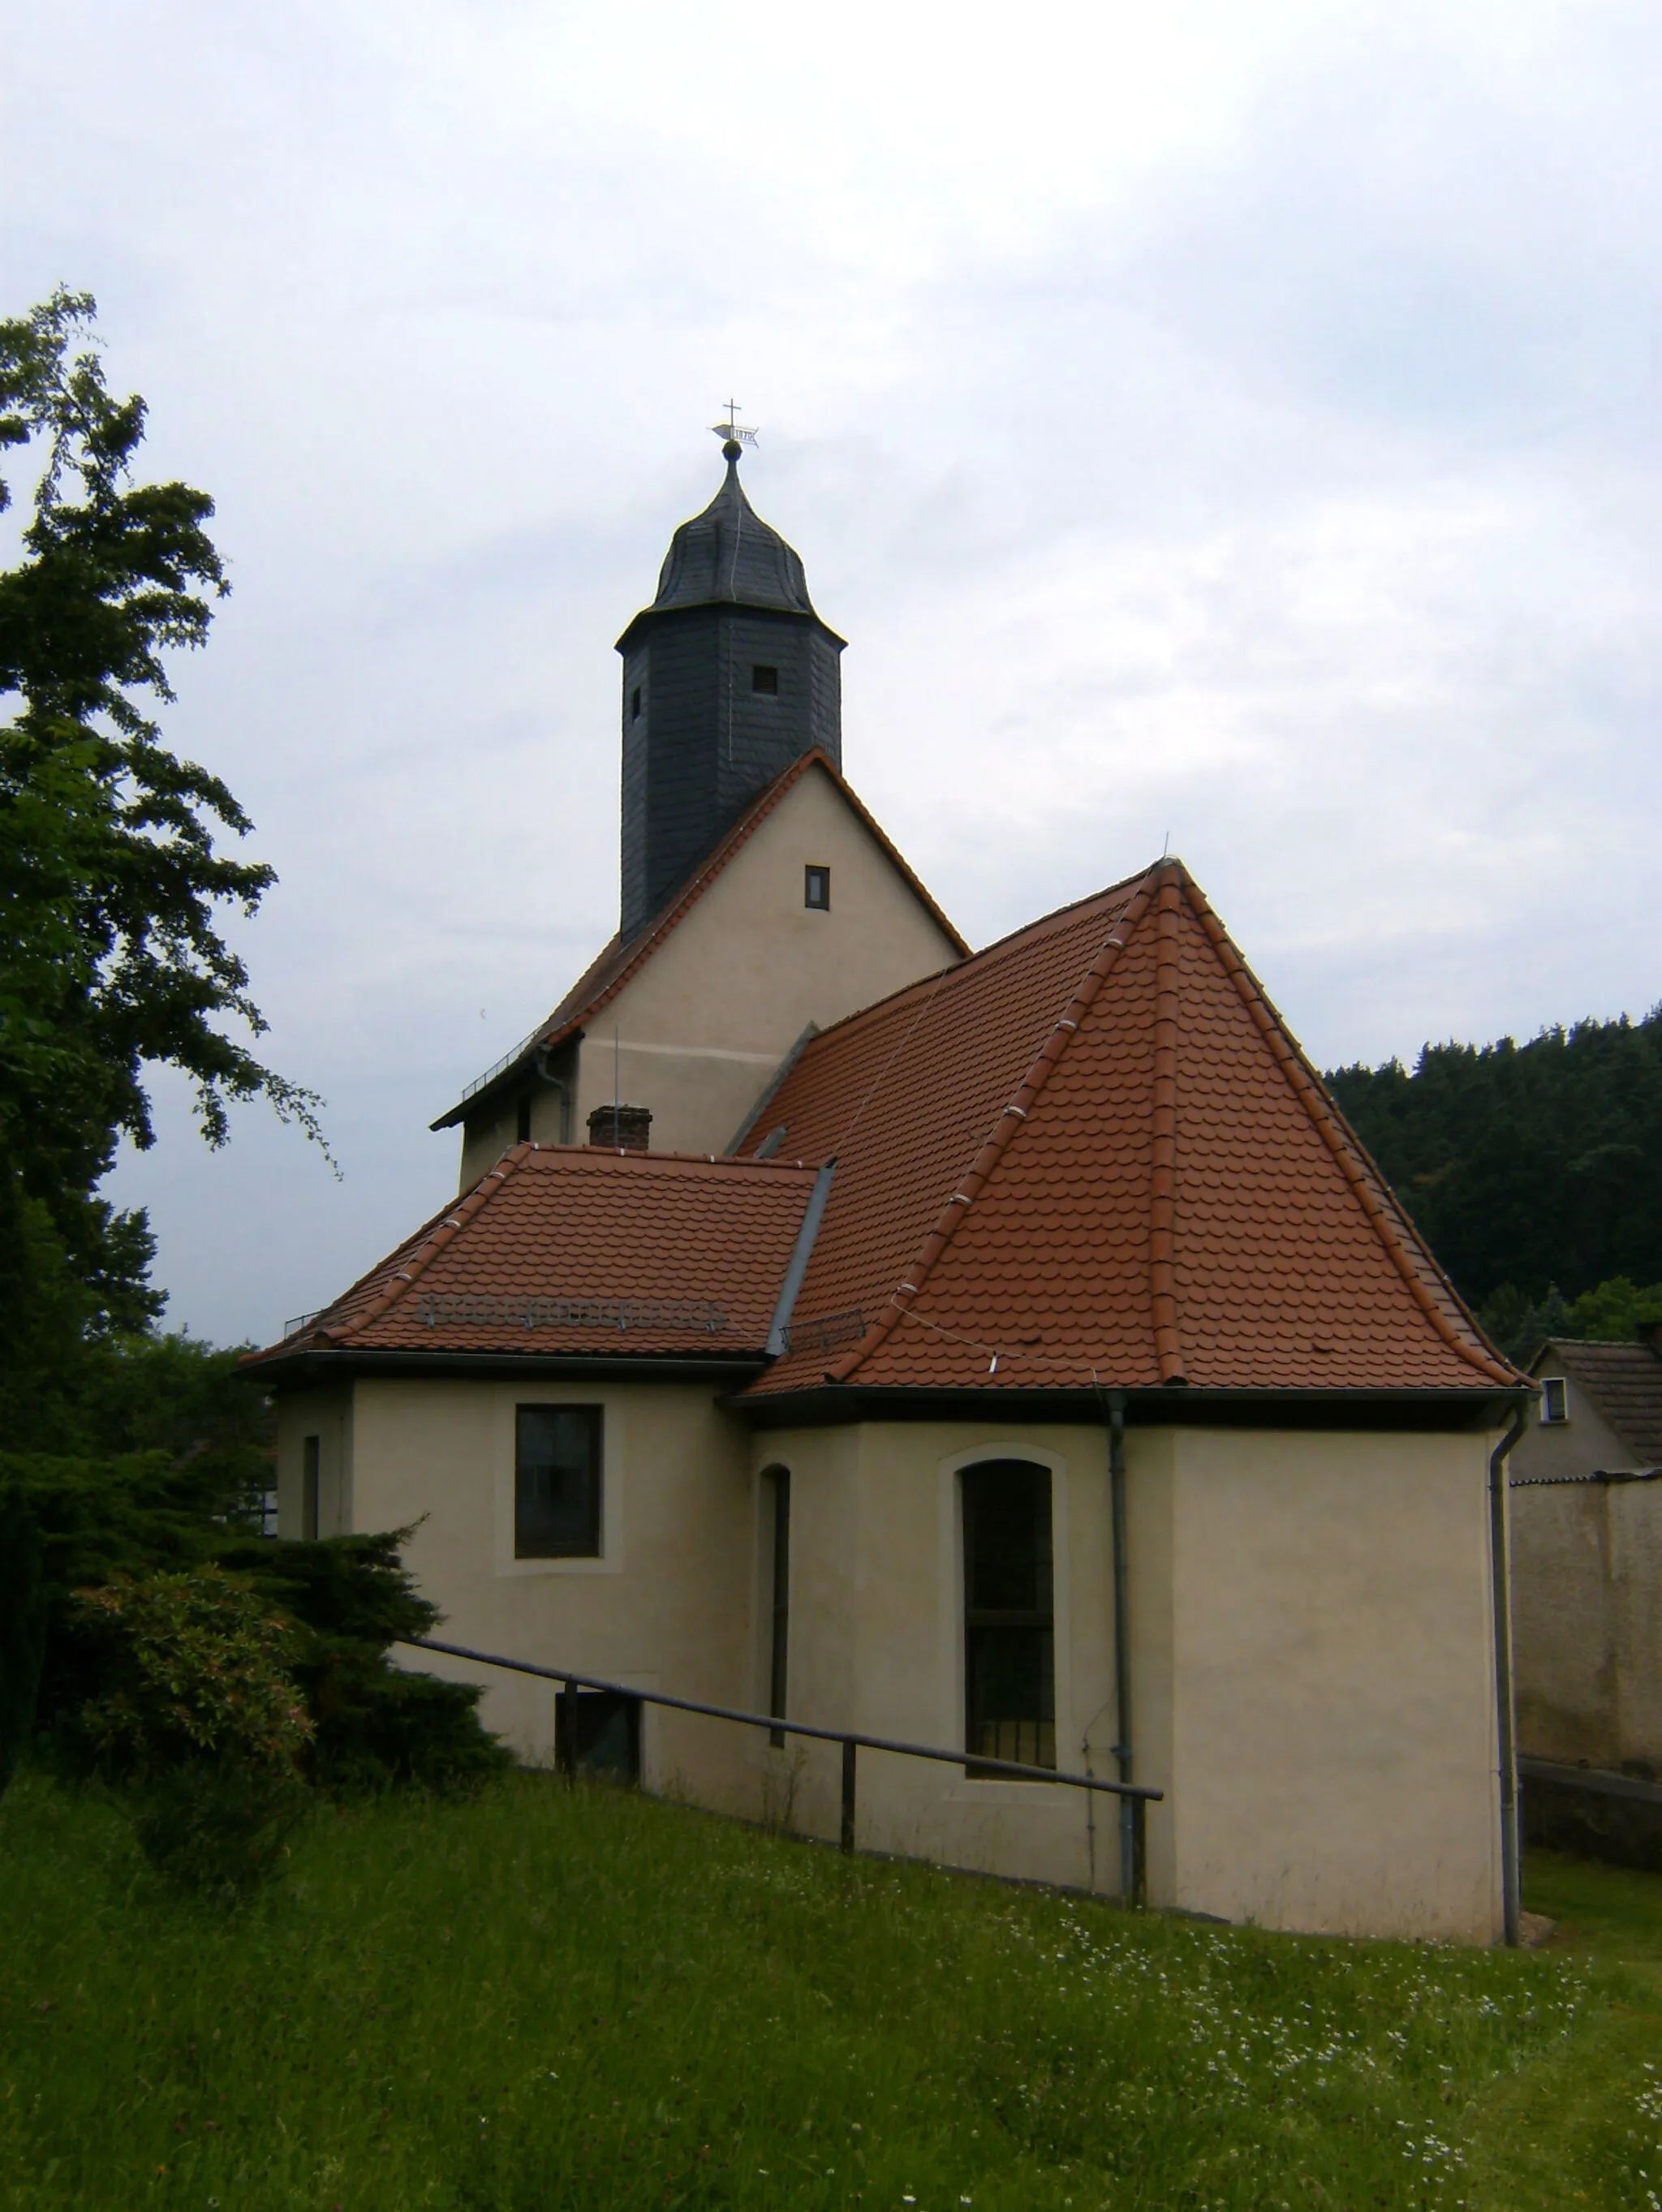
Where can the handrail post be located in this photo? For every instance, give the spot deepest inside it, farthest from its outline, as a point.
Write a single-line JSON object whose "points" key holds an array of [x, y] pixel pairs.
{"points": [[565, 1731], [846, 1838], [1139, 1811]]}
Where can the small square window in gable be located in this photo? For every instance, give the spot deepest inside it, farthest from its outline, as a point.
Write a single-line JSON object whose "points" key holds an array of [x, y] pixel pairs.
{"points": [[764, 678], [816, 888]]}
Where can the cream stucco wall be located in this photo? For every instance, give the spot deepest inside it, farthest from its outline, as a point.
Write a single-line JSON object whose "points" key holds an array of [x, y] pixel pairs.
{"points": [[325, 1415], [1312, 1664], [1332, 1753], [668, 1604], [698, 1034], [1310, 1616]]}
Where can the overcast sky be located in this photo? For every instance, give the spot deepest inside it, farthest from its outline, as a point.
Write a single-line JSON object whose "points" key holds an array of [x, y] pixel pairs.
{"points": [[1236, 421]]}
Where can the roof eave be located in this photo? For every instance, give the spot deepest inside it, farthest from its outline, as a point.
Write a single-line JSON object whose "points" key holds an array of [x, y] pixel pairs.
{"points": [[506, 1079], [314, 1364], [650, 615], [1481, 1406]]}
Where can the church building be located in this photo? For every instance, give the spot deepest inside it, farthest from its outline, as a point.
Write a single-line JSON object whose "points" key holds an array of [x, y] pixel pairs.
{"points": [[1009, 1351]]}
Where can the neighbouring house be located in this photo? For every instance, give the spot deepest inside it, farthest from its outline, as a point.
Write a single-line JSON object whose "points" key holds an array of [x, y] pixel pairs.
{"points": [[1587, 1518], [904, 1304]]}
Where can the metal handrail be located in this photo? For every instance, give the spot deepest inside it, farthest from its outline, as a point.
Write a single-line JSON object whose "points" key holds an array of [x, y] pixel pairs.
{"points": [[1139, 1795]]}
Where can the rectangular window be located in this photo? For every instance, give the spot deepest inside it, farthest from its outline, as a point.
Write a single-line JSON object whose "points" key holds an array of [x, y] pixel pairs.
{"points": [[1553, 1405], [775, 1495], [310, 1469], [816, 887], [764, 679], [635, 704], [557, 1482], [1009, 1629]]}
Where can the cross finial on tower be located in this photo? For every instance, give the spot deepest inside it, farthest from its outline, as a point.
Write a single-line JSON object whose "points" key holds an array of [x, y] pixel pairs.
{"points": [[734, 434]]}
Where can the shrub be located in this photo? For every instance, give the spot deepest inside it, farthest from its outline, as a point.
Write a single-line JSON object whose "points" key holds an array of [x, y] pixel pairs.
{"points": [[205, 1677], [347, 1600], [376, 1725], [22, 1627], [206, 1727]]}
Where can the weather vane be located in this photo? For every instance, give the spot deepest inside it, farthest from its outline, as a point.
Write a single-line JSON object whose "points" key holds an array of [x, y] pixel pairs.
{"points": [[731, 432]]}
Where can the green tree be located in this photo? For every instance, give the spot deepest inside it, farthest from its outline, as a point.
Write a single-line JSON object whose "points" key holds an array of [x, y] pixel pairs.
{"points": [[1525, 1166], [111, 877], [23, 1626]]}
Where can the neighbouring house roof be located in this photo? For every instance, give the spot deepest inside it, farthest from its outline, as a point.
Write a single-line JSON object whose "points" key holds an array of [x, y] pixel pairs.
{"points": [[624, 957], [1093, 1149], [1623, 1381], [567, 1250]]}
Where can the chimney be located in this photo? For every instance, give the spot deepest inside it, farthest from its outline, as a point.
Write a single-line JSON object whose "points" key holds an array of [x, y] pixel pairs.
{"points": [[621, 1128]]}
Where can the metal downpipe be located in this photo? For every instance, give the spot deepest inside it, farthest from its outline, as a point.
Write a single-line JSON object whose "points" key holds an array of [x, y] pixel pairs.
{"points": [[1131, 1876], [1505, 1702]]}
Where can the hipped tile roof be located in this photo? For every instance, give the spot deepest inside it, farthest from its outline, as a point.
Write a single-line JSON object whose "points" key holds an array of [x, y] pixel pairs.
{"points": [[1092, 1153], [624, 957], [1094, 1150], [561, 1249]]}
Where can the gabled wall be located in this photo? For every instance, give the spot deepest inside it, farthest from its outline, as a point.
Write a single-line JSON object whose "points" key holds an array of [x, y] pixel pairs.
{"points": [[701, 1029]]}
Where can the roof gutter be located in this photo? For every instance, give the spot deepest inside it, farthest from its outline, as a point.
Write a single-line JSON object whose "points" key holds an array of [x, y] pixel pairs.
{"points": [[813, 1214], [1152, 1406], [311, 1364]]}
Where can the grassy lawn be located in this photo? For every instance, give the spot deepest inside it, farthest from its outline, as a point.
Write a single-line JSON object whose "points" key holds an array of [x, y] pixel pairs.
{"points": [[584, 1999]]}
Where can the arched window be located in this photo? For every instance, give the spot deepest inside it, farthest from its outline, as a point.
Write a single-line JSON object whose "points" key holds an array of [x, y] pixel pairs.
{"points": [[1009, 1624], [776, 1556]]}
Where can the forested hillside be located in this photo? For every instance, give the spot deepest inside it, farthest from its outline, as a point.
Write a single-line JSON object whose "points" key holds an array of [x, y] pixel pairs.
{"points": [[1530, 1169]]}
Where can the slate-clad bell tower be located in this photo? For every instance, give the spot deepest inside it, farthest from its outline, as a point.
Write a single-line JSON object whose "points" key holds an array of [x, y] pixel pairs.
{"points": [[728, 676]]}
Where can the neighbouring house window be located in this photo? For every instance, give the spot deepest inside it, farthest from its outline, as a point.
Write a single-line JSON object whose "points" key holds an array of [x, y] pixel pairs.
{"points": [[816, 888], [557, 1482], [1009, 1629], [1553, 1405], [522, 1120], [763, 679], [775, 1526], [311, 1467], [635, 704]]}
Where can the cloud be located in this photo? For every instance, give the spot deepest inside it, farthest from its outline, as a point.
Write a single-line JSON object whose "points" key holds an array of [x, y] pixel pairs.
{"points": [[1235, 423]]}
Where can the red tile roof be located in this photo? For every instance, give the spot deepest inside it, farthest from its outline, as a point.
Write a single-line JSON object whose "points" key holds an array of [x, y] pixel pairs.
{"points": [[578, 1251], [1094, 1148], [617, 962], [1091, 1151]]}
